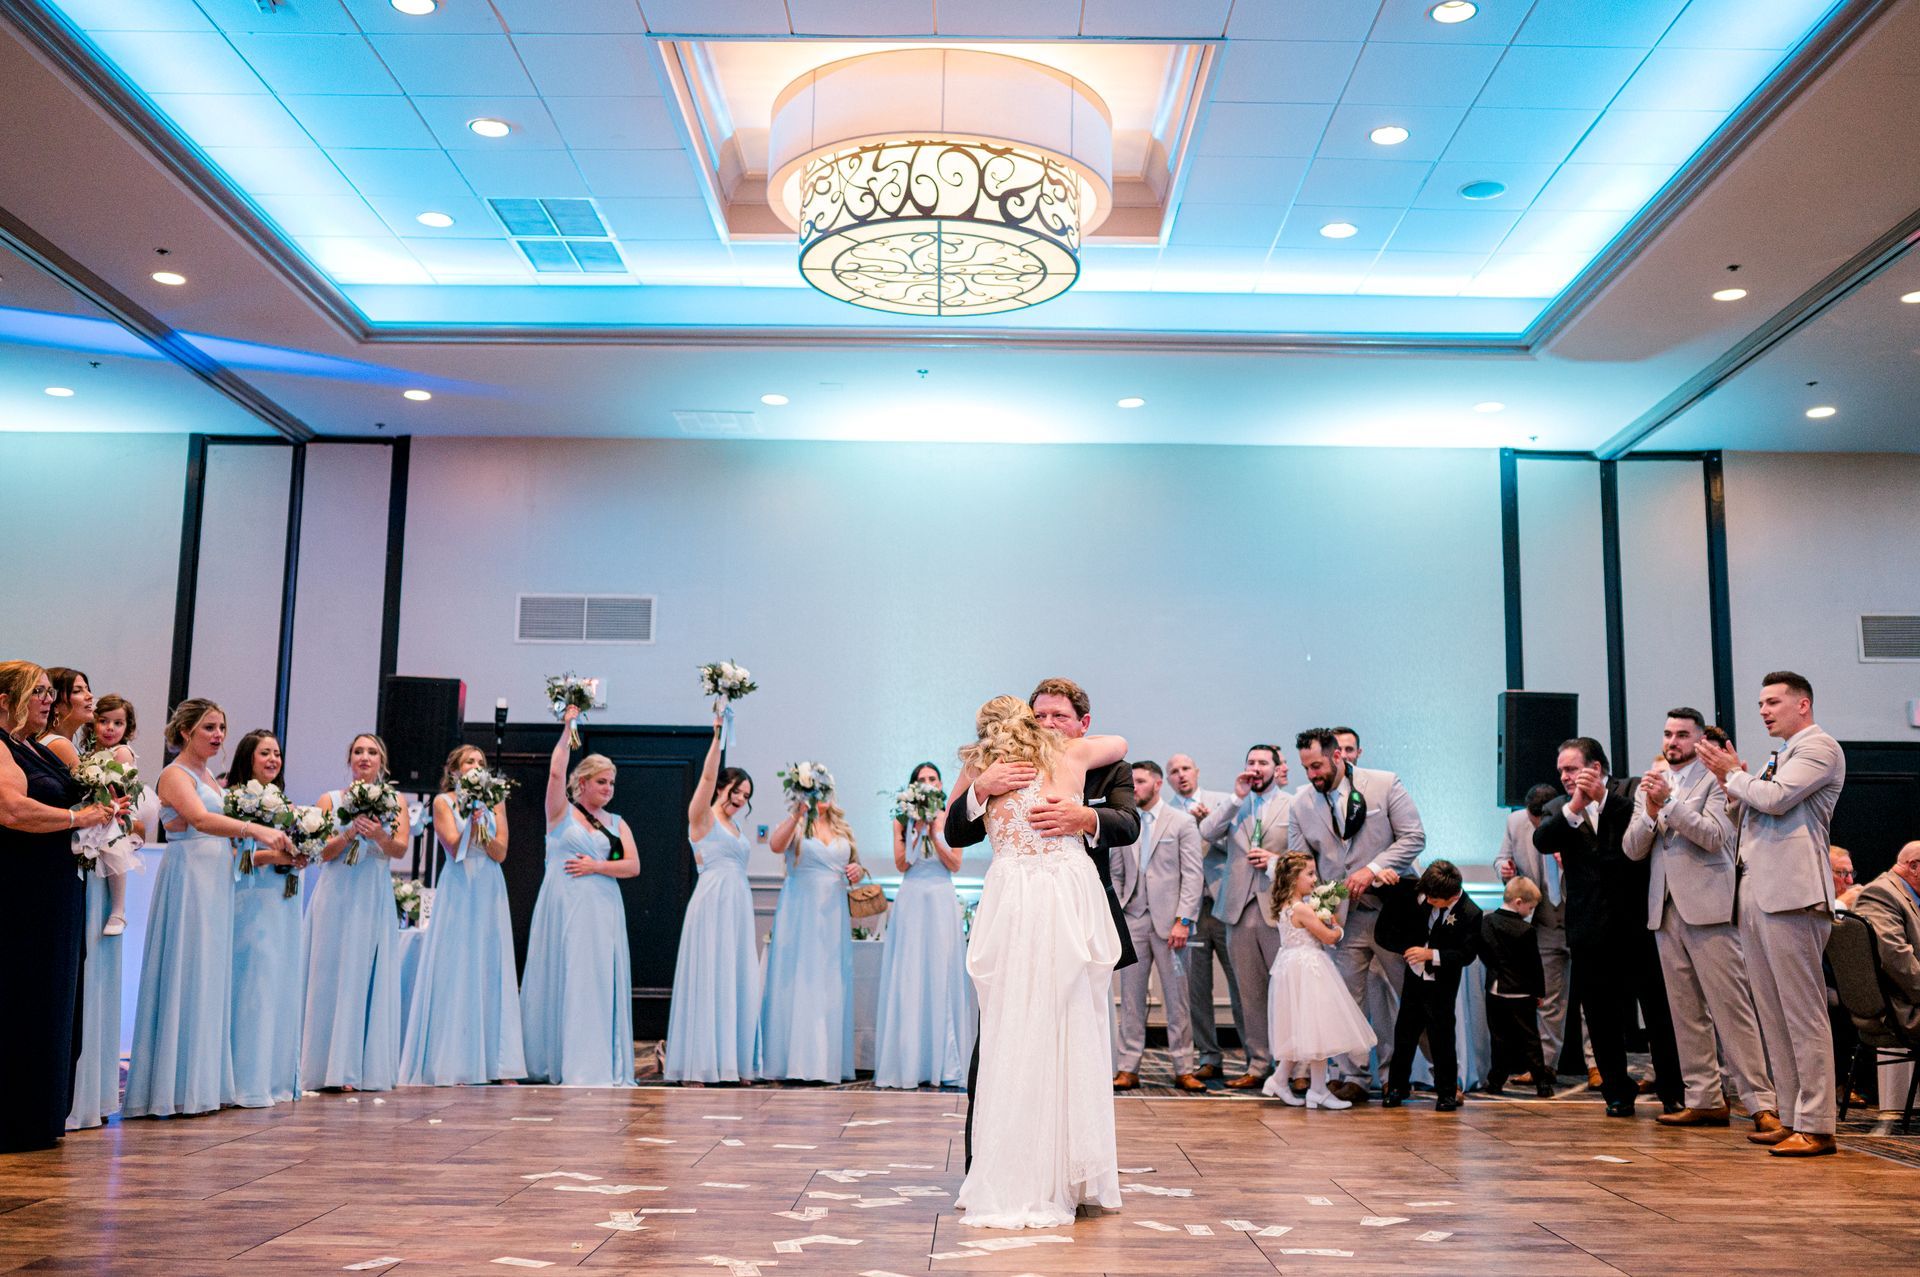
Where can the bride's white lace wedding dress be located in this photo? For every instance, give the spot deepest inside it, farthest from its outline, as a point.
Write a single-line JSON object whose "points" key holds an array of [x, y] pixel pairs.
{"points": [[1041, 956]]}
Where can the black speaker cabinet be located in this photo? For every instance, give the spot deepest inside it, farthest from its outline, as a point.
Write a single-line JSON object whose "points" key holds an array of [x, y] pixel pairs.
{"points": [[420, 719], [1532, 725]]}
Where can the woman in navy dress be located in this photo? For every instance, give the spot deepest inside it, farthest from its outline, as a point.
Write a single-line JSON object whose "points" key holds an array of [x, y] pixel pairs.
{"points": [[923, 1027], [269, 951], [714, 1021], [806, 1013], [577, 999]]}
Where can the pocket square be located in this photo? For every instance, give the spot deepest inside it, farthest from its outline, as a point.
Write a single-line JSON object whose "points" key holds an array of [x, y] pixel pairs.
{"points": [[1097, 802]]}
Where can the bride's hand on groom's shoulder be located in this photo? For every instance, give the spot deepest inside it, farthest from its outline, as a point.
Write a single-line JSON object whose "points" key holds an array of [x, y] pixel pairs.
{"points": [[1004, 777]]}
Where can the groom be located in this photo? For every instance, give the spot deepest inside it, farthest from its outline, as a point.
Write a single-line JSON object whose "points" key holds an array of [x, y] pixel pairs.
{"points": [[1110, 818]]}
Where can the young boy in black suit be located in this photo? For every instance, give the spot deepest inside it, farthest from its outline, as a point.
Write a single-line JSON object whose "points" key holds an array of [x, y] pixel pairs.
{"points": [[1439, 936], [1516, 983]]}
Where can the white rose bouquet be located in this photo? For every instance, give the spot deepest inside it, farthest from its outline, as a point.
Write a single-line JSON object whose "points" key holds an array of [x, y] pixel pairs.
{"points": [[410, 899], [1325, 900], [564, 690], [377, 800], [812, 783], [110, 848], [309, 828], [258, 804], [479, 790], [726, 682], [921, 801]]}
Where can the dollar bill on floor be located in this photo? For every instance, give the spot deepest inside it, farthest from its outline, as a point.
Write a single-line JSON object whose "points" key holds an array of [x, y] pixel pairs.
{"points": [[1275, 1230], [579, 1175], [1156, 1226], [1199, 1230], [1381, 1221], [514, 1261], [1433, 1236], [1313, 1250], [382, 1262]]}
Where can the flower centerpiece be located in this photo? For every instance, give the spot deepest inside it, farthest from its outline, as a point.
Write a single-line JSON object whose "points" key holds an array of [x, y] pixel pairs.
{"points": [[810, 782], [108, 848], [920, 802], [725, 682], [309, 829], [1326, 898], [410, 899], [257, 803], [478, 790], [570, 690], [377, 800]]}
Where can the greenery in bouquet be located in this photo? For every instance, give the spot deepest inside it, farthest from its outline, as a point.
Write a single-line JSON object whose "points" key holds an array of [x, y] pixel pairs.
{"points": [[809, 782], [570, 691], [724, 680], [478, 789], [309, 829], [410, 899], [1326, 899], [377, 800]]}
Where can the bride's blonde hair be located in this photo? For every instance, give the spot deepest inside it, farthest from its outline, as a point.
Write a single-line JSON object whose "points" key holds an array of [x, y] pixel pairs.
{"points": [[1008, 732]]}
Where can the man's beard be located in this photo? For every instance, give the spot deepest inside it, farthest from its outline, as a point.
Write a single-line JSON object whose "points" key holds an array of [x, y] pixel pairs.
{"points": [[1262, 786], [1682, 761]]}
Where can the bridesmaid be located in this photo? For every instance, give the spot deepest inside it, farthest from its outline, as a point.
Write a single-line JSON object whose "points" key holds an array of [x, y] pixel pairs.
{"points": [[351, 1034], [96, 1074], [715, 1014], [578, 993], [464, 1025], [182, 1044], [269, 952], [806, 1014], [923, 1027]]}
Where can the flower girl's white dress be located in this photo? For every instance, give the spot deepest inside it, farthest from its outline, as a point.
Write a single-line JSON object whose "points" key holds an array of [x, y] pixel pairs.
{"points": [[1310, 1014]]}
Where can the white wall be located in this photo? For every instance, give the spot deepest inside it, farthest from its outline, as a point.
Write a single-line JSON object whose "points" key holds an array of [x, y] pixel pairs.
{"points": [[1206, 597], [1563, 615], [1664, 602], [236, 616]]}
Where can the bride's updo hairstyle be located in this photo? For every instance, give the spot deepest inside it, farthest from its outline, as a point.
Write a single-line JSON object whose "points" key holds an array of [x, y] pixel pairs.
{"points": [[1008, 732]]}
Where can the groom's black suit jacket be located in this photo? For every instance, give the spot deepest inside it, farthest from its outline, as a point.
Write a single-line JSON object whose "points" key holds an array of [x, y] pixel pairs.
{"points": [[1110, 793]]}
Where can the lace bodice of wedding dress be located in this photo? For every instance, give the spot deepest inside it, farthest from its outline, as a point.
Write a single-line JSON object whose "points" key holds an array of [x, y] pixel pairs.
{"points": [[1013, 838]]}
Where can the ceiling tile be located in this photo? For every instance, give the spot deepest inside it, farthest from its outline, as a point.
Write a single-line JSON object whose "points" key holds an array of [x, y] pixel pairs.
{"points": [[767, 265], [1213, 179], [1742, 24], [328, 17], [1430, 128], [316, 63], [364, 259], [231, 119], [1116, 268], [1302, 228], [861, 17], [178, 61], [615, 124], [135, 15], [1314, 270], [1646, 137], [1207, 270], [1262, 128], [520, 174], [586, 17], [1284, 70], [454, 65], [1411, 20], [1227, 225], [469, 257], [589, 66], [1564, 232], [279, 170], [321, 214], [1525, 275], [690, 261], [453, 17], [1604, 186], [1696, 79], [669, 219], [532, 128], [1523, 182], [638, 174], [1300, 19], [1634, 23], [1190, 19], [1425, 230], [1364, 183], [716, 17], [1421, 74], [1546, 76], [472, 219], [1519, 137], [1421, 274], [425, 174], [361, 121], [1004, 18]]}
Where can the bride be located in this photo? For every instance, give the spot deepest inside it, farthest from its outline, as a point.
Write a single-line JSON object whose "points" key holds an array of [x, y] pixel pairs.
{"points": [[1041, 956]]}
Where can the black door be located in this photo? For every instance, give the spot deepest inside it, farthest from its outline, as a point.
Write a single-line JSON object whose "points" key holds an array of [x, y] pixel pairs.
{"points": [[658, 767], [1879, 810]]}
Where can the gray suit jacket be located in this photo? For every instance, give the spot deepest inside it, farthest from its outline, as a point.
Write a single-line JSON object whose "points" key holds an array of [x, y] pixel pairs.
{"points": [[1391, 838], [1213, 856], [1530, 862], [1171, 885], [1784, 822], [1692, 846], [1244, 883], [1889, 909]]}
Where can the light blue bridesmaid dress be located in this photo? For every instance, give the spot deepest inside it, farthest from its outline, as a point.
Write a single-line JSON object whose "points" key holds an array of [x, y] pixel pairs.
{"points": [[269, 988], [464, 1024], [351, 1034], [577, 998], [96, 1074], [923, 1027], [182, 1059], [715, 1017], [806, 1014]]}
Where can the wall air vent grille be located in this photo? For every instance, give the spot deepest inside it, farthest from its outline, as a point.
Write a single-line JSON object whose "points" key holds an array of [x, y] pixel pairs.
{"points": [[1890, 638], [716, 425], [585, 618]]}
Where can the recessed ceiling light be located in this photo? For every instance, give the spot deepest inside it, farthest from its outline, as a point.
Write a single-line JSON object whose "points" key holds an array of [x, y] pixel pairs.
{"points": [[171, 279], [59, 392], [439, 220], [1822, 412], [418, 396], [1491, 405], [1483, 190], [773, 401], [1911, 299], [415, 8], [486, 127], [1131, 401], [1730, 294], [1453, 11], [1339, 230], [1389, 135]]}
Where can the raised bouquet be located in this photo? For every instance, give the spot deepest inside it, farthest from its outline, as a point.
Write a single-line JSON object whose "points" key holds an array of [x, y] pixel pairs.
{"points": [[377, 800], [108, 848], [920, 801], [479, 790], [309, 830], [810, 782], [723, 681], [1326, 899], [256, 803], [409, 899], [564, 690]]}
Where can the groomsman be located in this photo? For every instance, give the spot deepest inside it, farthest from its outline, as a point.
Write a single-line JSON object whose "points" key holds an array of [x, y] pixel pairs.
{"points": [[1157, 880], [1519, 858], [1362, 828], [1785, 904], [1681, 827], [1349, 743], [1252, 823], [1209, 940]]}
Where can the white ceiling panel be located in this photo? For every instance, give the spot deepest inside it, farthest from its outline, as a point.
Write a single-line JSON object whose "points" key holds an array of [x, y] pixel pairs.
{"points": [[1374, 226], [1525, 275], [585, 17], [589, 66], [1365, 183], [615, 124], [1421, 74], [520, 174], [1743, 24], [280, 170], [466, 258], [716, 17], [679, 263], [1188, 19], [294, 64], [1301, 19], [454, 65], [1411, 21], [322, 214], [322, 16], [1429, 230], [1555, 231], [364, 259], [361, 121], [1203, 270], [234, 119], [425, 173], [1546, 76], [1519, 137], [1227, 225], [1213, 179], [533, 128], [136, 15], [1523, 182], [1695, 79], [1284, 71], [472, 219], [861, 17], [1263, 128], [453, 17], [1310, 270], [1059, 19], [1603, 186], [1622, 23], [1421, 274], [1429, 129], [1646, 137], [179, 61], [646, 219], [638, 174]]}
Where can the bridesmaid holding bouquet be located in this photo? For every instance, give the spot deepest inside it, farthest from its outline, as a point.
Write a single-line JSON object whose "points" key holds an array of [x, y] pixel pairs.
{"points": [[806, 1014], [269, 951], [924, 1026]]}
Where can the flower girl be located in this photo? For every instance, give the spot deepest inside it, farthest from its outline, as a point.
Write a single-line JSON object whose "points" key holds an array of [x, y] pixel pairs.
{"points": [[1310, 1014]]}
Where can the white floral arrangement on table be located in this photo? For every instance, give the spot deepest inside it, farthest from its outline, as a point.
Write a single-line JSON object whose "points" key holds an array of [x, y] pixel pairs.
{"points": [[377, 800], [863, 933], [810, 782], [309, 829], [414, 901], [108, 848], [570, 690], [725, 682], [257, 803], [1325, 900], [920, 801]]}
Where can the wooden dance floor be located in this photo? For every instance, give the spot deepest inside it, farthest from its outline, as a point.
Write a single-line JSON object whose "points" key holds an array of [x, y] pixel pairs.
{"points": [[490, 1179]]}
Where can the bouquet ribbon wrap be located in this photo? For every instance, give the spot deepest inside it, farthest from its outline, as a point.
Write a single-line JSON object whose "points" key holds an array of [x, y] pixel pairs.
{"points": [[243, 849], [489, 827], [726, 726]]}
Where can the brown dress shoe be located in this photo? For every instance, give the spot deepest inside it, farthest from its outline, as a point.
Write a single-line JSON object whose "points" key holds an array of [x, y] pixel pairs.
{"points": [[1800, 1144], [1299, 1085], [1521, 1079], [1188, 1082], [1646, 1085], [1207, 1072], [1696, 1117], [1245, 1082], [1593, 1079], [1774, 1136], [1765, 1122], [1125, 1081], [1351, 1092]]}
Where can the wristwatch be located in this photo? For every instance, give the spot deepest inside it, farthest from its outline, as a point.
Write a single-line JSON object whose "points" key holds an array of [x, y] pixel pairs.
{"points": [[1185, 922]]}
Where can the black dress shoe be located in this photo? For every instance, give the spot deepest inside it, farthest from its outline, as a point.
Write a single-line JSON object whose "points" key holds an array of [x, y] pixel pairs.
{"points": [[1393, 1099], [1672, 1106], [1543, 1091], [1619, 1108], [1446, 1104]]}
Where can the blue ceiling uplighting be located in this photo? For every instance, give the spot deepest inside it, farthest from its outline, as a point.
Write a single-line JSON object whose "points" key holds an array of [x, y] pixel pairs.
{"points": [[1481, 166]]}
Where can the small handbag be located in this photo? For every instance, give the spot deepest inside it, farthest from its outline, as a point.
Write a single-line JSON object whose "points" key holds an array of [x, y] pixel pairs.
{"points": [[867, 900]]}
